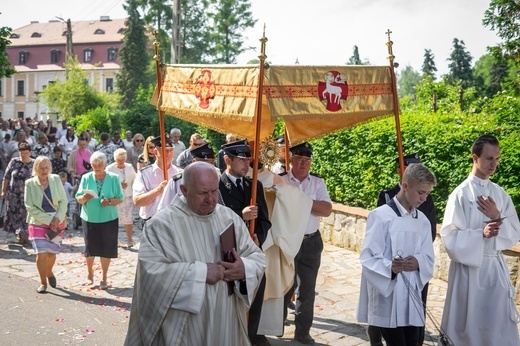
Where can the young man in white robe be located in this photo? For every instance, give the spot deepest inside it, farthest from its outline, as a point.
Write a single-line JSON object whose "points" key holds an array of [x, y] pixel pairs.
{"points": [[479, 309], [181, 286], [397, 259]]}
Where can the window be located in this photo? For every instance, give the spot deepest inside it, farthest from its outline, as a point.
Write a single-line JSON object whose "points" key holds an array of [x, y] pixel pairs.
{"points": [[20, 115], [55, 56], [110, 85], [36, 34], [121, 31], [99, 32], [20, 90], [23, 57], [1, 88], [87, 55], [13, 35], [111, 54]]}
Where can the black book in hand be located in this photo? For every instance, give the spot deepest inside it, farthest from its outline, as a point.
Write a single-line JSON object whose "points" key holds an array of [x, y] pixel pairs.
{"points": [[227, 243], [50, 234]]}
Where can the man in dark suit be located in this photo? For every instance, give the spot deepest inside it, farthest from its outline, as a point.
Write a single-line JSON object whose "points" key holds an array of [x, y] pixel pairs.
{"points": [[235, 193], [428, 209]]}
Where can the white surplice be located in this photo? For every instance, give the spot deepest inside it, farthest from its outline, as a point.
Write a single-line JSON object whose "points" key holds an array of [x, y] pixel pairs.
{"points": [[172, 304], [387, 302], [281, 247], [479, 309]]}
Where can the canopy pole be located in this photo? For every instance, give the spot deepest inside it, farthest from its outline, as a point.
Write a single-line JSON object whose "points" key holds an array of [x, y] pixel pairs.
{"points": [[390, 58], [258, 114], [287, 153], [157, 59]]}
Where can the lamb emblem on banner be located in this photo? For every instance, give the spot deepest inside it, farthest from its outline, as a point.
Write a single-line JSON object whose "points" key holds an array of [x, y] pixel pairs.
{"points": [[334, 89]]}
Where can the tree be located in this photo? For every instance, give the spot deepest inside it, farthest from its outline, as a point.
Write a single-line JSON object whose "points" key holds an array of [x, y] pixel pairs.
{"points": [[73, 97], [228, 20], [354, 59], [408, 80], [133, 56], [159, 14], [194, 33], [460, 64], [504, 17], [428, 66], [6, 69]]}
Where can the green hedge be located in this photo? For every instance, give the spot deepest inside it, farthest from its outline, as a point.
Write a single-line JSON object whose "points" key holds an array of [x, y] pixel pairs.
{"points": [[359, 162]]}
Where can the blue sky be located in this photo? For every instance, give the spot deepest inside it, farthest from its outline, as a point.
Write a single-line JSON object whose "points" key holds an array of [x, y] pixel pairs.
{"points": [[320, 32]]}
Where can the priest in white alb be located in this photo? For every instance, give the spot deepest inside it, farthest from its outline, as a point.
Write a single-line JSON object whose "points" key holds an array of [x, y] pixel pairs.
{"points": [[181, 286], [397, 259], [479, 309]]}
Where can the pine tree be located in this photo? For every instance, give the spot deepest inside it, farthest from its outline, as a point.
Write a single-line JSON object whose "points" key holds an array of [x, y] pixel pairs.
{"points": [[428, 66], [228, 20], [498, 73], [355, 59], [133, 57], [460, 64]]}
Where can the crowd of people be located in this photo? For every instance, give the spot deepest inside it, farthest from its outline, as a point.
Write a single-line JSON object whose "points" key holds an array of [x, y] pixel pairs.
{"points": [[188, 290]]}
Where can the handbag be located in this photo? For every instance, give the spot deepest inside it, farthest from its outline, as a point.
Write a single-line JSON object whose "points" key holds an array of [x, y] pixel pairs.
{"points": [[87, 165]]}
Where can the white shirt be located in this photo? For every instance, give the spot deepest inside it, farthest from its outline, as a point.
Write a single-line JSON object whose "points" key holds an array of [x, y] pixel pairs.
{"points": [[69, 146], [178, 148], [147, 179], [128, 143], [126, 175], [314, 187]]}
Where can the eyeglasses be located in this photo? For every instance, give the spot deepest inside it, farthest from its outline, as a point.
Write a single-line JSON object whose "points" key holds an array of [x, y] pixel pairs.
{"points": [[150, 147], [197, 144], [139, 140], [302, 159]]}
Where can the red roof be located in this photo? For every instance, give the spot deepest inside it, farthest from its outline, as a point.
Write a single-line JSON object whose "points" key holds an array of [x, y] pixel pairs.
{"points": [[52, 33]]}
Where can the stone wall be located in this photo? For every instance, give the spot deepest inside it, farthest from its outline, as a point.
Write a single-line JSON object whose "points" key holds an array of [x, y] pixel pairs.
{"points": [[345, 228]]}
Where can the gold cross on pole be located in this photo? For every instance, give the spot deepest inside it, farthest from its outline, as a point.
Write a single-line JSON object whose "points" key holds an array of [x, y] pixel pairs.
{"points": [[388, 32]]}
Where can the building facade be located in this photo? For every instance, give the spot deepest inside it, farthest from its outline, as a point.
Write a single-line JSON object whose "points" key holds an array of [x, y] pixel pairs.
{"points": [[38, 52]]}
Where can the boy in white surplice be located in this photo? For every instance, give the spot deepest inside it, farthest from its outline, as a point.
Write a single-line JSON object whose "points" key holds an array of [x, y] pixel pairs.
{"points": [[397, 260]]}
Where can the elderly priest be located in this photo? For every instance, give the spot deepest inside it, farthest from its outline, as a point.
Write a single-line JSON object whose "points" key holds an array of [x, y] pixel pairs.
{"points": [[182, 292]]}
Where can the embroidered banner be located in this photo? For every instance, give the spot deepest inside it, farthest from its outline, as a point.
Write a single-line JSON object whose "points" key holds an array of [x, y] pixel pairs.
{"points": [[220, 97], [312, 100], [317, 100]]}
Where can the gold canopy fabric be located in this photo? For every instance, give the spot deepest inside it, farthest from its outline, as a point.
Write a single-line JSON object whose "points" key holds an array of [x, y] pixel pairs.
{"points": [[313, 101]]}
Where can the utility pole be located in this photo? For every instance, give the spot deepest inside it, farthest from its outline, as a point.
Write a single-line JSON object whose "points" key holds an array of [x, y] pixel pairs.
{"points": [[176, 28], [68, 45]]}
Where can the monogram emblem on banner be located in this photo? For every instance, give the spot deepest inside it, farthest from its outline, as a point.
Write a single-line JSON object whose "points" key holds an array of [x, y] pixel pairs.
{"points": [[205, 89], [334, 89]]}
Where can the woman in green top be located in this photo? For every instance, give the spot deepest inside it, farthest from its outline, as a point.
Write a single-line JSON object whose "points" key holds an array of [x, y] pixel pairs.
{"points": [[99, 193]]}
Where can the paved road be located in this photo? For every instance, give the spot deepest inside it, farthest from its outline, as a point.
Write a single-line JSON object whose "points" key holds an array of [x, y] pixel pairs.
{"points": [[74, 313]]}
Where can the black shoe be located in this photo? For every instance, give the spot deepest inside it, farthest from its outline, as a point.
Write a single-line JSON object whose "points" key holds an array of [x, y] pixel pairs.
{"points": [[286, 322], [291, 305], [260, 340], [304, 339], [52, 281]]}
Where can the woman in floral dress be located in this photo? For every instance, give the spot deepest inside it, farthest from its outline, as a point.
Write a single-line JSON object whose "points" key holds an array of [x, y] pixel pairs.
{"points": [[18, 171]]}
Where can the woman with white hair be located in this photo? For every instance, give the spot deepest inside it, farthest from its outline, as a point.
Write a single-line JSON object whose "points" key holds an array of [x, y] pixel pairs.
{"points": [[126, 174], [99, 193], [46, 204]]}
